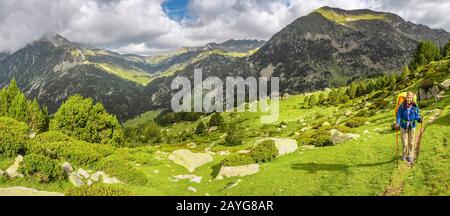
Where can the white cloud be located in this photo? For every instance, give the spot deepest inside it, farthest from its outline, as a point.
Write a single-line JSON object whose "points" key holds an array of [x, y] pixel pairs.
{"points": [[142, 27]]}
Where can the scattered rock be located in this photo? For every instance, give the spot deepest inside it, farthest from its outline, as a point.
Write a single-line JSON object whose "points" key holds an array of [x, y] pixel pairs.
{"points": [[191, 145], [193, 189], [89, 182], [284, 145], [339, 137], [224, 152], [24, 191], [83, 173], [213, 128], [378, 130], [305, 129], [76, 179], [348, 113], [239, 170], [31, 134], [67, 167], [191, 177], [246, 151], [97, 175], [365, 131], [326, 124], [190, 160], [12, 170], [110, 180], [445, 84], [283, 126]]}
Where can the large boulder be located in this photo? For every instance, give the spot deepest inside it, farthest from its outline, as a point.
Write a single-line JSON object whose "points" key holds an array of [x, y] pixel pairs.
{"points": [[12, 170], [24, 191], [284, 145], [67, 167], [339, 137], [76, 179], [238, 170], [190, 160]]}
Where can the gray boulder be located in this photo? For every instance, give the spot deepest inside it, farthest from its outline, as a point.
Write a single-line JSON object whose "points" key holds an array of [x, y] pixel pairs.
{"points": [[12, 170], [76, 179]]}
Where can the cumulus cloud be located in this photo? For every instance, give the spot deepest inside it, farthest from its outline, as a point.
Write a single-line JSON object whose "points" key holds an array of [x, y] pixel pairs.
{"points": [[143, 27]]}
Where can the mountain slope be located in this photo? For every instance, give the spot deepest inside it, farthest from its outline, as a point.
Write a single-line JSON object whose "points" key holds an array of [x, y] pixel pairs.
{"points": [[328, 48]]}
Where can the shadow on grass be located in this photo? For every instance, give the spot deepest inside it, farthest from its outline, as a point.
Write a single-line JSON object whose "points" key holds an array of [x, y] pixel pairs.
{"points": [[315, 167]]}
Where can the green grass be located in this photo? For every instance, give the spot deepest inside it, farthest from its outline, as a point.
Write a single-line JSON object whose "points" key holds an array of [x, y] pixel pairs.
{"points": [[141, 119], [345, 19], [140, 77]]}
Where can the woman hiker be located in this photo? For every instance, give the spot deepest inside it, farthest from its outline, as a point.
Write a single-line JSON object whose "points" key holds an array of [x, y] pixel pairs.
{"points": [[407, 115]]}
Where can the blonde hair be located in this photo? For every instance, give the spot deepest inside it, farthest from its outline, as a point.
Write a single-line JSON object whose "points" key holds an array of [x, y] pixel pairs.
{"points": [[410, 94]]}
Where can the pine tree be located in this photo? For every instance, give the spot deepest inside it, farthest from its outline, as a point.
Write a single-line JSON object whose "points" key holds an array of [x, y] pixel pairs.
{"points": [[446, 50], [406, 71], [352, 91], [322, 98], [200, 129], [426, 52], [313, 100]]}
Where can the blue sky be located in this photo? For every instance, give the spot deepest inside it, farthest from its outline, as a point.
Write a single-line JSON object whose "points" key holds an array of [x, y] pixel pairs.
{"points": [[176, 9]]}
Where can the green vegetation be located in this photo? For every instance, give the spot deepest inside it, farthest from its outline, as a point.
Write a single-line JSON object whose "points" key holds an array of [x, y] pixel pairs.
{"points": [[426, 52], [264, 151], [356, 122], [80, 118], [13, 137], [345, 19], [200, 129], [238, 160], [41, 167], [14, 104], [232, 138], [137, 76], [98, 190]]}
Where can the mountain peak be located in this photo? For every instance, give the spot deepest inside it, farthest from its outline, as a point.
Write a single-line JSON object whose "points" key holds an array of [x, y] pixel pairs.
{"points": [[56, 39], [343, 17]]}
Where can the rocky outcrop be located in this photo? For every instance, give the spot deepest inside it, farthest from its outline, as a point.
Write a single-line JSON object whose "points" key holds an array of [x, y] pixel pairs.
{"points": [[339, 137], [284, 145], [190, 160], [234, 171], [12, 171], [24, 191]]}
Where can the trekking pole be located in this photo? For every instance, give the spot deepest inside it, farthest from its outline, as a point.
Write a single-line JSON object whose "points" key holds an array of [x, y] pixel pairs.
{"points": [[396, 149], [421, 130]]}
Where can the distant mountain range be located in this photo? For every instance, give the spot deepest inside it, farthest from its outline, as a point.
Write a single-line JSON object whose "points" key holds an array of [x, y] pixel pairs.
{"points": [[329, 47]]}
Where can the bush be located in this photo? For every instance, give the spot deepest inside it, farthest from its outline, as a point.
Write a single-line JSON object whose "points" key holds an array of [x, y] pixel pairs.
{"points": [[147, 133], [237, 160], [264, 151], [13, 137], [215, 120], [232, 138], [167, 117], [119, 167], [356, 122], [41, 167], [52, 136], [78, 152], [425, 103], [98, 190], [319, 138], [79, 117], [200, 129]]}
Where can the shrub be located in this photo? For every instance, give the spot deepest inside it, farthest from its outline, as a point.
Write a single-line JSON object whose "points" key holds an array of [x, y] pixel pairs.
{"points": [[320, 137], [119, 167], [52, 136], [41, 167], [13, 137], [356, 122], [264, 151], [78, 152], [232, 138], [200, 129], [98, 190], [215, 120], [79, 117], [237, 160], [425, 103], [143, 133]]}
